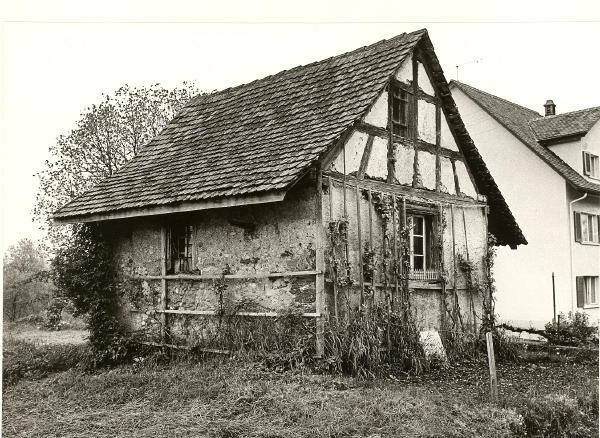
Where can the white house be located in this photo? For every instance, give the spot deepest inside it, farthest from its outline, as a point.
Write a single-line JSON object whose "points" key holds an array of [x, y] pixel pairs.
{"points": [[548, 170]]}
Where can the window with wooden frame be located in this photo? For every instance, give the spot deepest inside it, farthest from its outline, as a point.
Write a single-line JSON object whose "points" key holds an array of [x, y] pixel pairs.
{"points": [[587, 291], [586, 227], [422, 252], [591, 165], [179, 249], [400, 110]]}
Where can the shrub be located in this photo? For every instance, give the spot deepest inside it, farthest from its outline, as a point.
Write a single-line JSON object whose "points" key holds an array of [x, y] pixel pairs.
{"points": [[24, 360], [559, 416], [85, 274], [574, 330]]}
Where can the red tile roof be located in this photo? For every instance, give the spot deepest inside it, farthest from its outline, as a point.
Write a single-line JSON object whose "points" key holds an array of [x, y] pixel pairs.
{"points": [[566, 124]]}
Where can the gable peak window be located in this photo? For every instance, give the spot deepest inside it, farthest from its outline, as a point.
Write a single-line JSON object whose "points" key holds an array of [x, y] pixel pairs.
{"points": [[591, 165], [400, 106]]}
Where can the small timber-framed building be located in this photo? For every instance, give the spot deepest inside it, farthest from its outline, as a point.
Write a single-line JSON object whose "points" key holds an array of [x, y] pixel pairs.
{"points": [[348, 181]]}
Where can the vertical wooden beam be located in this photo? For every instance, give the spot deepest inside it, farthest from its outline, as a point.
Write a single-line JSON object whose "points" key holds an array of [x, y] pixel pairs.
{"points": [[415, 99], [373, 270], [360, 248], [438, 143], [320, 266], [395, 250], [390, 149], [331, 268], [163, 282], [403, 260]]}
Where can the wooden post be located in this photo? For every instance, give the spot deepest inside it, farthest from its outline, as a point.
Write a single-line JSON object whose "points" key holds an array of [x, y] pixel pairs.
{"points": [[333, 276], [320, 306], [163, 282], [395, 251], [360, 248], [405, 263], [492, 366]]}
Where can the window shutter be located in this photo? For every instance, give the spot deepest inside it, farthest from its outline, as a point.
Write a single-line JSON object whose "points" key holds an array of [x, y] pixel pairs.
{"points": [[580, 291], [585, 172], [577, 223]]}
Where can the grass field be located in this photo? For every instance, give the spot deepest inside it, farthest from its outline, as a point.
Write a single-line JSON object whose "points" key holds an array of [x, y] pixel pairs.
{"points": [[233, 398]]}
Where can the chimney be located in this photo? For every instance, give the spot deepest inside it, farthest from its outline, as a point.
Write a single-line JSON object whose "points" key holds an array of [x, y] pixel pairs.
{"points": [[550, 108]]}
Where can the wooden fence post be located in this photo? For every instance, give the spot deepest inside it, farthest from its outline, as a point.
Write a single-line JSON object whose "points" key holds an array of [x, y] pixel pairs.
{"points": [[492, 365], [163, 283]]}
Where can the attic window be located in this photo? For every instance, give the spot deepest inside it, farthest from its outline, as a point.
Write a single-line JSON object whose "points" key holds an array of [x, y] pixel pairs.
{"points": [[400, 110], [180, 249]]}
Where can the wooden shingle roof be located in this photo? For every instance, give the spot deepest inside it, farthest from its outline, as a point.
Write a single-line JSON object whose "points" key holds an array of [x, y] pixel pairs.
{"points": [[526, 125], [254, 141], [255, 138]]}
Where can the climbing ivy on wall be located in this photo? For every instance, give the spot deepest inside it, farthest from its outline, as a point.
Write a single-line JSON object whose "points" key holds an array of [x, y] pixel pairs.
{"points": [[85, 273]]}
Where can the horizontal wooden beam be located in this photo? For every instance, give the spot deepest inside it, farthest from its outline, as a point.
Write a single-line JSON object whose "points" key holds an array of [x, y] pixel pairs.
{"points": [[183, 207], [185, 347], [419, 145], [410, 193], [200, 277], [214, 313]]}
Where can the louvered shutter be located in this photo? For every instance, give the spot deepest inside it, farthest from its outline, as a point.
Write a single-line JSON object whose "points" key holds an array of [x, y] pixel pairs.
{"points": [[577, 222], [580, 291]]}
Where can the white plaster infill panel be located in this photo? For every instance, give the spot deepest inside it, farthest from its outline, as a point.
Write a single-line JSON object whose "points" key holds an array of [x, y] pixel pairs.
{"points": [[464, 180], [447, 176], [405, 73], [404, 166], [423, 80], [426, 125], [447, 140], [377, 166], [378, 114], [427, 169], [355, 147]]}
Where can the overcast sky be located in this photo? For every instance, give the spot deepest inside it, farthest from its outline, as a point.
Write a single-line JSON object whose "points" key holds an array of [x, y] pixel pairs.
{"points": [[54, 64]]}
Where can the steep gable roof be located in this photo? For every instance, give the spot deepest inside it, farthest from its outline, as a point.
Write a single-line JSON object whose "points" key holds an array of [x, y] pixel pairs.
{"points": [[255, 138], [260, 138], [520, 121], [566, 124]]}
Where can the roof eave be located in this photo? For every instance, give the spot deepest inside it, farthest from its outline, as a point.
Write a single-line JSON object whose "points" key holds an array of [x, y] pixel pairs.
{"points": [[182, 207]]}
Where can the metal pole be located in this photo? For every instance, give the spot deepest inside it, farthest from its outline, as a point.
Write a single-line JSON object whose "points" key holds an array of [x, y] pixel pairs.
{"points": [[553, 299]]}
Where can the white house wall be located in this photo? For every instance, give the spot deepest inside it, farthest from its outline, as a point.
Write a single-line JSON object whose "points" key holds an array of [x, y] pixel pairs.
{"points": [[405, 72], [536, 195], [586, 257], [571, 152], [377, 115]]}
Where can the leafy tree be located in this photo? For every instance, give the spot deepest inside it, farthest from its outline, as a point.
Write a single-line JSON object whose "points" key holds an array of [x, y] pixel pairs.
{"points": [[106, 136], [26, 289]]}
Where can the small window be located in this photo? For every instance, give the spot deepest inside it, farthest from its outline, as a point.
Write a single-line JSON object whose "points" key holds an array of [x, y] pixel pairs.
{"points": [[400, 111], [180, 249], [591, 165], [587, 291], [422, 256], [586, 227]]}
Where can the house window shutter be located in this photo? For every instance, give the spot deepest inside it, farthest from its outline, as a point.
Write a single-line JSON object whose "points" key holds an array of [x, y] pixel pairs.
{"points": [[579, 282], [583, 156], [577, 223]]}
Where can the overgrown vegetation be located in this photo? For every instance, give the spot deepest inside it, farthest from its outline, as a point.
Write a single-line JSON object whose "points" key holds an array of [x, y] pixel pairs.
{"points": [[574, 330], [25, 360], [85, 274], [240, 398]]}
